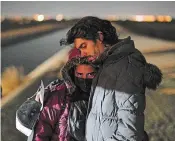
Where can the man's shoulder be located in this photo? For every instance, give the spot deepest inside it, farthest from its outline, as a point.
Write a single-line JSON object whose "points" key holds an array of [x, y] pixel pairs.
{"points": [[136, 58], [116, 65]]}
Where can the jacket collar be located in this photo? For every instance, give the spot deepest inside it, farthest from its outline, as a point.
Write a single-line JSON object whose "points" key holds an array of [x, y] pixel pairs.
{"points": [[123, 48]]}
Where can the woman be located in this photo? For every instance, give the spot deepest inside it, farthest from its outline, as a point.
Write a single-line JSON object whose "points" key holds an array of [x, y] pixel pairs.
{"points": [[64, 112]]}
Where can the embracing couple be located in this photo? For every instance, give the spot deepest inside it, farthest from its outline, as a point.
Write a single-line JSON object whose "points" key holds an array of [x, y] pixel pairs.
{"points": [[101, 96]]}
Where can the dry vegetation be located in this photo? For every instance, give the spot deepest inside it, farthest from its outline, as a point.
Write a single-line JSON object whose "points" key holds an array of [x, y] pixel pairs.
{"points": [[12, 77]]}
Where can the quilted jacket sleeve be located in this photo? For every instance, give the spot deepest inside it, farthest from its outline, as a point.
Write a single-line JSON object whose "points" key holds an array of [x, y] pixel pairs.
{"points": [[131, 118], [130, 101]]}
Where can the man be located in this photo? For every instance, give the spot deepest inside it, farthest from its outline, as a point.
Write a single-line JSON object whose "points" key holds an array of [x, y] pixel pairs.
{"points": [[117, 99]]}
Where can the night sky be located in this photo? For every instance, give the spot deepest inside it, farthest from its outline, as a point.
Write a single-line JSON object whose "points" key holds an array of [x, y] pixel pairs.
{"points": [[80, 8]]}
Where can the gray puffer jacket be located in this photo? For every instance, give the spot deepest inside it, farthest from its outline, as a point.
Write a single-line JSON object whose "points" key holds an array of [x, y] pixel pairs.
{"points": [[117, 100]]}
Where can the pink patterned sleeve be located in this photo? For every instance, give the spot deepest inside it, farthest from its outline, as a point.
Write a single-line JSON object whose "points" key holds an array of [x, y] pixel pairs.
{"points": [[44, 129]]}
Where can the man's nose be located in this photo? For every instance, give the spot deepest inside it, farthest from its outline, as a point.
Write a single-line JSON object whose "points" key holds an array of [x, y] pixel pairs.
{"points": [[83, 54]]}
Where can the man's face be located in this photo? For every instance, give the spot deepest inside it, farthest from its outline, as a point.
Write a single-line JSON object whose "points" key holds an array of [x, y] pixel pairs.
{"points": [[89, 47], [85, 72]]}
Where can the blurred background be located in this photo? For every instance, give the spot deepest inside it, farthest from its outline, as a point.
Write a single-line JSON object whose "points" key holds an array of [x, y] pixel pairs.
{"points": [[30, 35]]}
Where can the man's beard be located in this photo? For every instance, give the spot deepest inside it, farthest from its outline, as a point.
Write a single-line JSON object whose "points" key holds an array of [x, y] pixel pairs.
{"points": [[95, 56]]}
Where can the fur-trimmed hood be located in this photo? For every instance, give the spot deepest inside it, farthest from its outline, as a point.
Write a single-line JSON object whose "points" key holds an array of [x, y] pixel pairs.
{"points": [[68, 71], [152, 74]]}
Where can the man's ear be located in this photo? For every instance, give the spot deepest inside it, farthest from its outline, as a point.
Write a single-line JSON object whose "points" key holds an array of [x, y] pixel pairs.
{"points": [[101, 37]]}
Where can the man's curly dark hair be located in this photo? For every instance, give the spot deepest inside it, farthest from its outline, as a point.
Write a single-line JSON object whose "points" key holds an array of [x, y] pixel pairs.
{"points": [[88, 28]]}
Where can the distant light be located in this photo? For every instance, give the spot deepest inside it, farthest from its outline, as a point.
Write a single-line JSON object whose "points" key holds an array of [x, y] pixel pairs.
{"points": [[160, 18], [59, 17], [168, 18], [39, 17], [112, 18], [149, 18], [139, 18]]}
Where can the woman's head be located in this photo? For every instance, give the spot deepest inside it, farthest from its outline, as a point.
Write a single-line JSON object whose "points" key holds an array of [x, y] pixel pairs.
{"points": [[84, 74], [85, 71], [79, 72]]}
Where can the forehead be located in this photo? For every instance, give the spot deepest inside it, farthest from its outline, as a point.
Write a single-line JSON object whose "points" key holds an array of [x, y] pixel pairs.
{"points": [[84, 69], [79, 41]]}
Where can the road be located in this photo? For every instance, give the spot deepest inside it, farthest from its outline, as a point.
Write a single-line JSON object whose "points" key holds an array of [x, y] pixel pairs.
{"points": [[31, 53]]}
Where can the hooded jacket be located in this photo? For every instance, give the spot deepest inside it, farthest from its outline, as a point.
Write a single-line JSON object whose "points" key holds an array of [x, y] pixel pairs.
{"points": [[117, 100], [64, 112]]}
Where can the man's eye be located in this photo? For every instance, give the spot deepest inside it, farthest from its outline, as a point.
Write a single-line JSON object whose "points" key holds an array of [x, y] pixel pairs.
{"points": [[82, 46]]}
